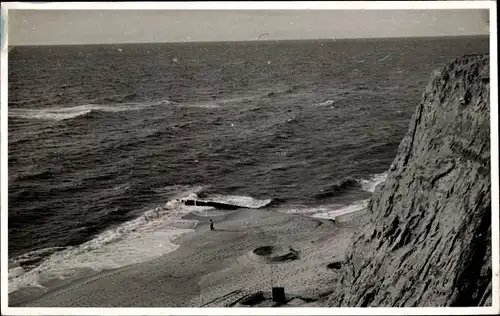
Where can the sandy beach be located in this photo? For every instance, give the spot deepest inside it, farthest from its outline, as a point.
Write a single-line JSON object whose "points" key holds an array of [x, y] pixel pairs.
{"points": [[220, 268]]}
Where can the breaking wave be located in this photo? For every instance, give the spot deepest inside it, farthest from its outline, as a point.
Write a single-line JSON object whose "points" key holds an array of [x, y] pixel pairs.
{"points": [[332, 213], [147, 237], [63, 113], [343, 186], [350, 184], [327, 103], [370, 185]]}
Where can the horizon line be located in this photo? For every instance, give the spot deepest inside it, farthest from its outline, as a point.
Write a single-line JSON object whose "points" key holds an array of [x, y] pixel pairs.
{"points": [[263, 41]]}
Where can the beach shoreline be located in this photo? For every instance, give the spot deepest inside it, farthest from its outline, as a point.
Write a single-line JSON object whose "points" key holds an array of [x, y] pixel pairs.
{"points": [[218, 268]]}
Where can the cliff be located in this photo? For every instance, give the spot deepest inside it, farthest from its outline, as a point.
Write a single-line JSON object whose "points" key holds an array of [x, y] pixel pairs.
{"points": [[428, 242]]}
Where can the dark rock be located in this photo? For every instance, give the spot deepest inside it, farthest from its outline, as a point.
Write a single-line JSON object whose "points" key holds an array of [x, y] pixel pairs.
{"points": [[429, 239], [253, 299], [334, 265], [211, 203]]}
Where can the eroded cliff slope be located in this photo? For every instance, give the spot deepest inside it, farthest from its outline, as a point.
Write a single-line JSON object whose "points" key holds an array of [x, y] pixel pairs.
{"points": [[429, 239]]}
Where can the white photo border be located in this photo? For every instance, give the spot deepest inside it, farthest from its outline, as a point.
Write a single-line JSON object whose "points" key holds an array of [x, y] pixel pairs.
{"points": [[285, 5]]}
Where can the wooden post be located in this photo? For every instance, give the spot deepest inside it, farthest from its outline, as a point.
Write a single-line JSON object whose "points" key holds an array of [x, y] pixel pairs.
{"points": [[271, 269]]}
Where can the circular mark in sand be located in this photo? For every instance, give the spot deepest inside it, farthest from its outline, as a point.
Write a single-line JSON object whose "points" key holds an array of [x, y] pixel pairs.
{"points": [[265, 251], [273, 254]]}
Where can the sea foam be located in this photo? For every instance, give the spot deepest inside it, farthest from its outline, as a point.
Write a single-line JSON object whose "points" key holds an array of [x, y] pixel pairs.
{"points": [[331, 211], [371, 184], [142, 239], [63, 113]]}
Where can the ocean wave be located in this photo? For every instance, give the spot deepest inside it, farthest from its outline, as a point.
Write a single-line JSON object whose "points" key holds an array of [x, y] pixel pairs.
{"points": [[338, 211], [226, 201], [64, 113], [326, 103], [38, 175], [142, 239], [179, 190], [218, 101], [32, 258], [215, 103], [277, 92], [122, 188], [166, 102], [343, 186], [370, 185], [350, 184], [203, 105], [327, 211], [135, 241]]}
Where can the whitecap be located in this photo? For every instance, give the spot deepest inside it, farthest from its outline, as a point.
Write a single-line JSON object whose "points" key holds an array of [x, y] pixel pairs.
{"points": [[327, 103], [142, 239], [63, 113], [338, 211], [371, 184]]}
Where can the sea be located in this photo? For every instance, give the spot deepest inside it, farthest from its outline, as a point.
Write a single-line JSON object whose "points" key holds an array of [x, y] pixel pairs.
{"points": [[103, 140]]}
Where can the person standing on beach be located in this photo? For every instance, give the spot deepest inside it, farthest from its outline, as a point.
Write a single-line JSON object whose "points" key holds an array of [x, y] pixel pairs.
{"points": [[211, 225]]}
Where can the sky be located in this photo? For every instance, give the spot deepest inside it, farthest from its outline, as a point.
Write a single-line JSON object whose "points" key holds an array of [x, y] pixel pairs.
{"points": [[66, 27]]}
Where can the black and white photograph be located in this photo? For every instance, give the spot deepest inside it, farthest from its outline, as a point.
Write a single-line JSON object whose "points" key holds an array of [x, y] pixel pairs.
{"points": [[252, 157]]}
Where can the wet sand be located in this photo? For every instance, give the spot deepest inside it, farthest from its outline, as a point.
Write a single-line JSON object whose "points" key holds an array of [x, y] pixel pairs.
{"points": [[216, 268]]}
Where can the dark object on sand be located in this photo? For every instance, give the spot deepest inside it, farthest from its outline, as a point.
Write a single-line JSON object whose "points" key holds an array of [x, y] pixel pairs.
{"points": [[212, 225], [273, 254], [334, 265], [253, 299], [279, 294], [218, 205]]}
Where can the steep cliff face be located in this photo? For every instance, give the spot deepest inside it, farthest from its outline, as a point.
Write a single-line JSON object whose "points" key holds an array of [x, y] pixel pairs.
{"points": [[429, 239]]}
